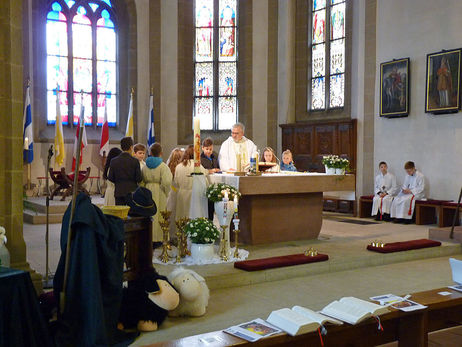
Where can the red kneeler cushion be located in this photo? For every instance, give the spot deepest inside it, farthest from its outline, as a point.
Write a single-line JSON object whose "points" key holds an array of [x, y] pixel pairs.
{"points": [[404, 246], [273, 262]]}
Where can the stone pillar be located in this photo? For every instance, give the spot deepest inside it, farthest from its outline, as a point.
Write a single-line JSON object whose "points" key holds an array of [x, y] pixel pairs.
{"points": [[11, 142], [286, 66]]}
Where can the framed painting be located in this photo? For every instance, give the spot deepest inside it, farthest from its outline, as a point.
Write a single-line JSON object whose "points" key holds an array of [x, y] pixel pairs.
{"points": [[442, 93], [394, 88]]}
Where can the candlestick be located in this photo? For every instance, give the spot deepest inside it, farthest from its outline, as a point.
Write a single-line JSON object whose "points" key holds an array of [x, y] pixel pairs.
{"points": [[197, 145], [26, 143], [238, 162]]}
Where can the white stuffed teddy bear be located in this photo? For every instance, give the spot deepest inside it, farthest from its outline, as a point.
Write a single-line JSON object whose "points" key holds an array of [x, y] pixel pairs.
{"points": [[194, 293]]}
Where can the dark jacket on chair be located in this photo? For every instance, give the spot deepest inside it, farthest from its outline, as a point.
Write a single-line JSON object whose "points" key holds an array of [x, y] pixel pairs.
{"points": [[125, 173]]}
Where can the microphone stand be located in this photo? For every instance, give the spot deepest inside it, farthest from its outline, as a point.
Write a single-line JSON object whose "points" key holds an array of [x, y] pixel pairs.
{"points": [[47, 188], [456, 216]]}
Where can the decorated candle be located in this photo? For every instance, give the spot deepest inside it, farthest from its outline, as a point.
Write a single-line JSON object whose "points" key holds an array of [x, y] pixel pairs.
{"points": [[235, 203], [197, 145]]}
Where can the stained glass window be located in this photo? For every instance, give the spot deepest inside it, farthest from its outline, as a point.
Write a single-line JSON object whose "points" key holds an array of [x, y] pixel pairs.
{"points": [[87, 65], [327, 87], [216, 63]]}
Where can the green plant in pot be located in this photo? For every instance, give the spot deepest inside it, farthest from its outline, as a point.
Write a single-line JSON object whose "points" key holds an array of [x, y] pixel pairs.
{"points": [[202, 233]]}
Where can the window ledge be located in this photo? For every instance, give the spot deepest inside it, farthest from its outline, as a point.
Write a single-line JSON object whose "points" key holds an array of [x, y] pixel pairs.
{"points": [[93, 135]]}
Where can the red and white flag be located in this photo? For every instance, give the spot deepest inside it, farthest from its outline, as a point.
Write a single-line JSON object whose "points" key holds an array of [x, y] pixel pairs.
{"points": [[104, 146], [76, 141]]}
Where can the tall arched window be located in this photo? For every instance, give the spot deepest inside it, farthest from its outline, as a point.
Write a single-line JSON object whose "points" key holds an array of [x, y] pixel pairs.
{"points": [[215, 63], [81, 53], [327, 87]]}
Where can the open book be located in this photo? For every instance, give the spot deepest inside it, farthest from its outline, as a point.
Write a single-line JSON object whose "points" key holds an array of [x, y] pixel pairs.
{"points": [[353, 310], [299, 320]]}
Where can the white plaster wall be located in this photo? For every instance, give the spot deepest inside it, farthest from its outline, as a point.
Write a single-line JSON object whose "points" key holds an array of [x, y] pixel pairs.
{"points": [[414, 28]]}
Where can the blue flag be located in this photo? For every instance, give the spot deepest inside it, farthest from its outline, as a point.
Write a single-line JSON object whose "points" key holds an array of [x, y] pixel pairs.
{"points": [[151, 135], [28, 148]]}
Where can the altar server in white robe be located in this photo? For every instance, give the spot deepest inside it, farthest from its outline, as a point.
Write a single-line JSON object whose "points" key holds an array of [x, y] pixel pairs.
{"points": [[385, 190], [237, 143], [402, 207]]}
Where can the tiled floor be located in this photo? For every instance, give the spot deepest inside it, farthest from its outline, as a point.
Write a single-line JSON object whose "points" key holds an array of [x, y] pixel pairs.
{"points": [[342, 241]]}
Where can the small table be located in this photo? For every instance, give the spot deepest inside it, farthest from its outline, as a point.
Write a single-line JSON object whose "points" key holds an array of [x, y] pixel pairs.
{"points": [[21, 322]]}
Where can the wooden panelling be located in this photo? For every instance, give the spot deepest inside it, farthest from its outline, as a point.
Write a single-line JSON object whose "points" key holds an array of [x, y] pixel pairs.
{"points": [[310, 141]]}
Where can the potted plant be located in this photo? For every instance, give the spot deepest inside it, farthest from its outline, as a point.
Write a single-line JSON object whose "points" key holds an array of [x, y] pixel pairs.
{"points": [[330, 162], [202, 234], [342, 165], [216, 192]]}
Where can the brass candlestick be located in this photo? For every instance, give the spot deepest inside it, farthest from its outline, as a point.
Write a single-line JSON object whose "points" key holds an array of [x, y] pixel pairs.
{"points": [[164, 225], [223, 245], [181, 236]]}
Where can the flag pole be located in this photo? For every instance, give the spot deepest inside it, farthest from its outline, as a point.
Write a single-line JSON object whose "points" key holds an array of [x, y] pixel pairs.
{"points": [[26, 145], [74, 197]]}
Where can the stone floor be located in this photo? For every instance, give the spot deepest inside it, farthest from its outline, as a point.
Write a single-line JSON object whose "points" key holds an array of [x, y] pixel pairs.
{"points": [[351, 270]]}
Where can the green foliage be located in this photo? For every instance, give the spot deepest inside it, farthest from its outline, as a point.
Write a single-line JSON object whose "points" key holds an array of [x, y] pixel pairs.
{"points": [[201, 230], [216, 191]]}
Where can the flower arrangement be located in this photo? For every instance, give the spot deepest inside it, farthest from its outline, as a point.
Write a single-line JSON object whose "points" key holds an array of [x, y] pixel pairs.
{"points": [[2, 235], [334, 161], [201, 230], [216, 191]]}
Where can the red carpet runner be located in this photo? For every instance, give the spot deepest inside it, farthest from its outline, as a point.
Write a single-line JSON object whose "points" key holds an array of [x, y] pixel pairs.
{"points": [[404, 246], [274, 262]]}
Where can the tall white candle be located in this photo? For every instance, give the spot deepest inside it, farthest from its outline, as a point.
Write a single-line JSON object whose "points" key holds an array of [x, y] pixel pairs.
{"points": [[235, 203], [197, 145], [26, 143]]}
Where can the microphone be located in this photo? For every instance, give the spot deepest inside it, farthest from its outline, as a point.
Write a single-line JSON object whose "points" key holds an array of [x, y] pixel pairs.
{"points": [[50, 152], [279, 163]]}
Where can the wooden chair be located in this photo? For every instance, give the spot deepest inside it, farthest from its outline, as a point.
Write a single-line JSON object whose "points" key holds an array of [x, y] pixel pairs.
{"points": [[65, 182]]}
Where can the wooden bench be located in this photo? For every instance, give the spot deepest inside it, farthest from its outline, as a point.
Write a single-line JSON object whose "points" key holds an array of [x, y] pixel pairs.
{"points": [[426, 211], [408, 328], [446, 214]]}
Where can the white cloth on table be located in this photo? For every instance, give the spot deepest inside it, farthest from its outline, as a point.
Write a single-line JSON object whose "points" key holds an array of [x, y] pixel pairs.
{"points": [[384, 184], [403, 205], [227, 155]]}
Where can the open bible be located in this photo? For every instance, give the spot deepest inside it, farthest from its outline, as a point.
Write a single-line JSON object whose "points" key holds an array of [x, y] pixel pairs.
{"points": [[353, 310], [299, 320]]}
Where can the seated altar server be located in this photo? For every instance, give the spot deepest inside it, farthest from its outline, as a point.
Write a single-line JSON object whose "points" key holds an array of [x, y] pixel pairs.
{"points": [[236, 144], [385, 190], [402, 207]]}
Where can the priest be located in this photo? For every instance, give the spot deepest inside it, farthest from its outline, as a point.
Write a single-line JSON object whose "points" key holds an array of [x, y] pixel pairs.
{"points": [[385, 190], [402, 207], [236, 151]]}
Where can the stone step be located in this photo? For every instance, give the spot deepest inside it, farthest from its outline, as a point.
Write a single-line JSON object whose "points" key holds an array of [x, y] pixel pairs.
{"points": [[225, 275]]}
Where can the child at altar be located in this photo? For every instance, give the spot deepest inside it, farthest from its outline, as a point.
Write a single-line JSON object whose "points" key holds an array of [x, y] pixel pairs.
{"points": [[270, 157], [158, 179], [287, 161]]}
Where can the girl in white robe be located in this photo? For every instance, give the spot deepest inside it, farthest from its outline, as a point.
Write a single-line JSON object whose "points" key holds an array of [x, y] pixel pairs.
{"points": [[109, 199], [182, 183], [403, 205], [158, 179], [384, 192]]}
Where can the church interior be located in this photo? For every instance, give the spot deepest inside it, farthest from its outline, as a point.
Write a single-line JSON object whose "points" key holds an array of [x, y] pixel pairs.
{"points": [[370, 81]]}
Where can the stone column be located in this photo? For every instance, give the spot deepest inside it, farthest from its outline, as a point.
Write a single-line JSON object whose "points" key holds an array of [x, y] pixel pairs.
{"points": [[11, 142]]}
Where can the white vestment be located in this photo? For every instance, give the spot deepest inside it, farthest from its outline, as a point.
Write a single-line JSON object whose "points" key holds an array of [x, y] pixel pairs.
{"points": [[227, 156], [403, 204], [384, 184]]}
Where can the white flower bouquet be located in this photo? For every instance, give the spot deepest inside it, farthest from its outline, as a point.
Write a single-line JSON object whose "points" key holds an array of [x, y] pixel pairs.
{"points": [[334, 161], [216, 191], [202, 231]]}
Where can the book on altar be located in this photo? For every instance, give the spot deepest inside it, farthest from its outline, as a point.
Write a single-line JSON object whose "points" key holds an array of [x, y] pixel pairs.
{"points": [[353, 310], [299, 320]]}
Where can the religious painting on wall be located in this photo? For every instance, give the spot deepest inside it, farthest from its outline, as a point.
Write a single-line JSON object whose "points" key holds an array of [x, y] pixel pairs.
{"points": [[443, 82], [394, 88]]}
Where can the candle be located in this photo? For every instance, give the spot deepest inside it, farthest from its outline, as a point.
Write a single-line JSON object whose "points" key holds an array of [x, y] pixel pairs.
{"points": [[197, 145], [235, 203], [226, 198], [26, 143]]}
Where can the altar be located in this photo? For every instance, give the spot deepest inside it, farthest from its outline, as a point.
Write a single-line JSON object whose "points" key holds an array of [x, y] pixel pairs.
{"points": [[281, 207]]}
